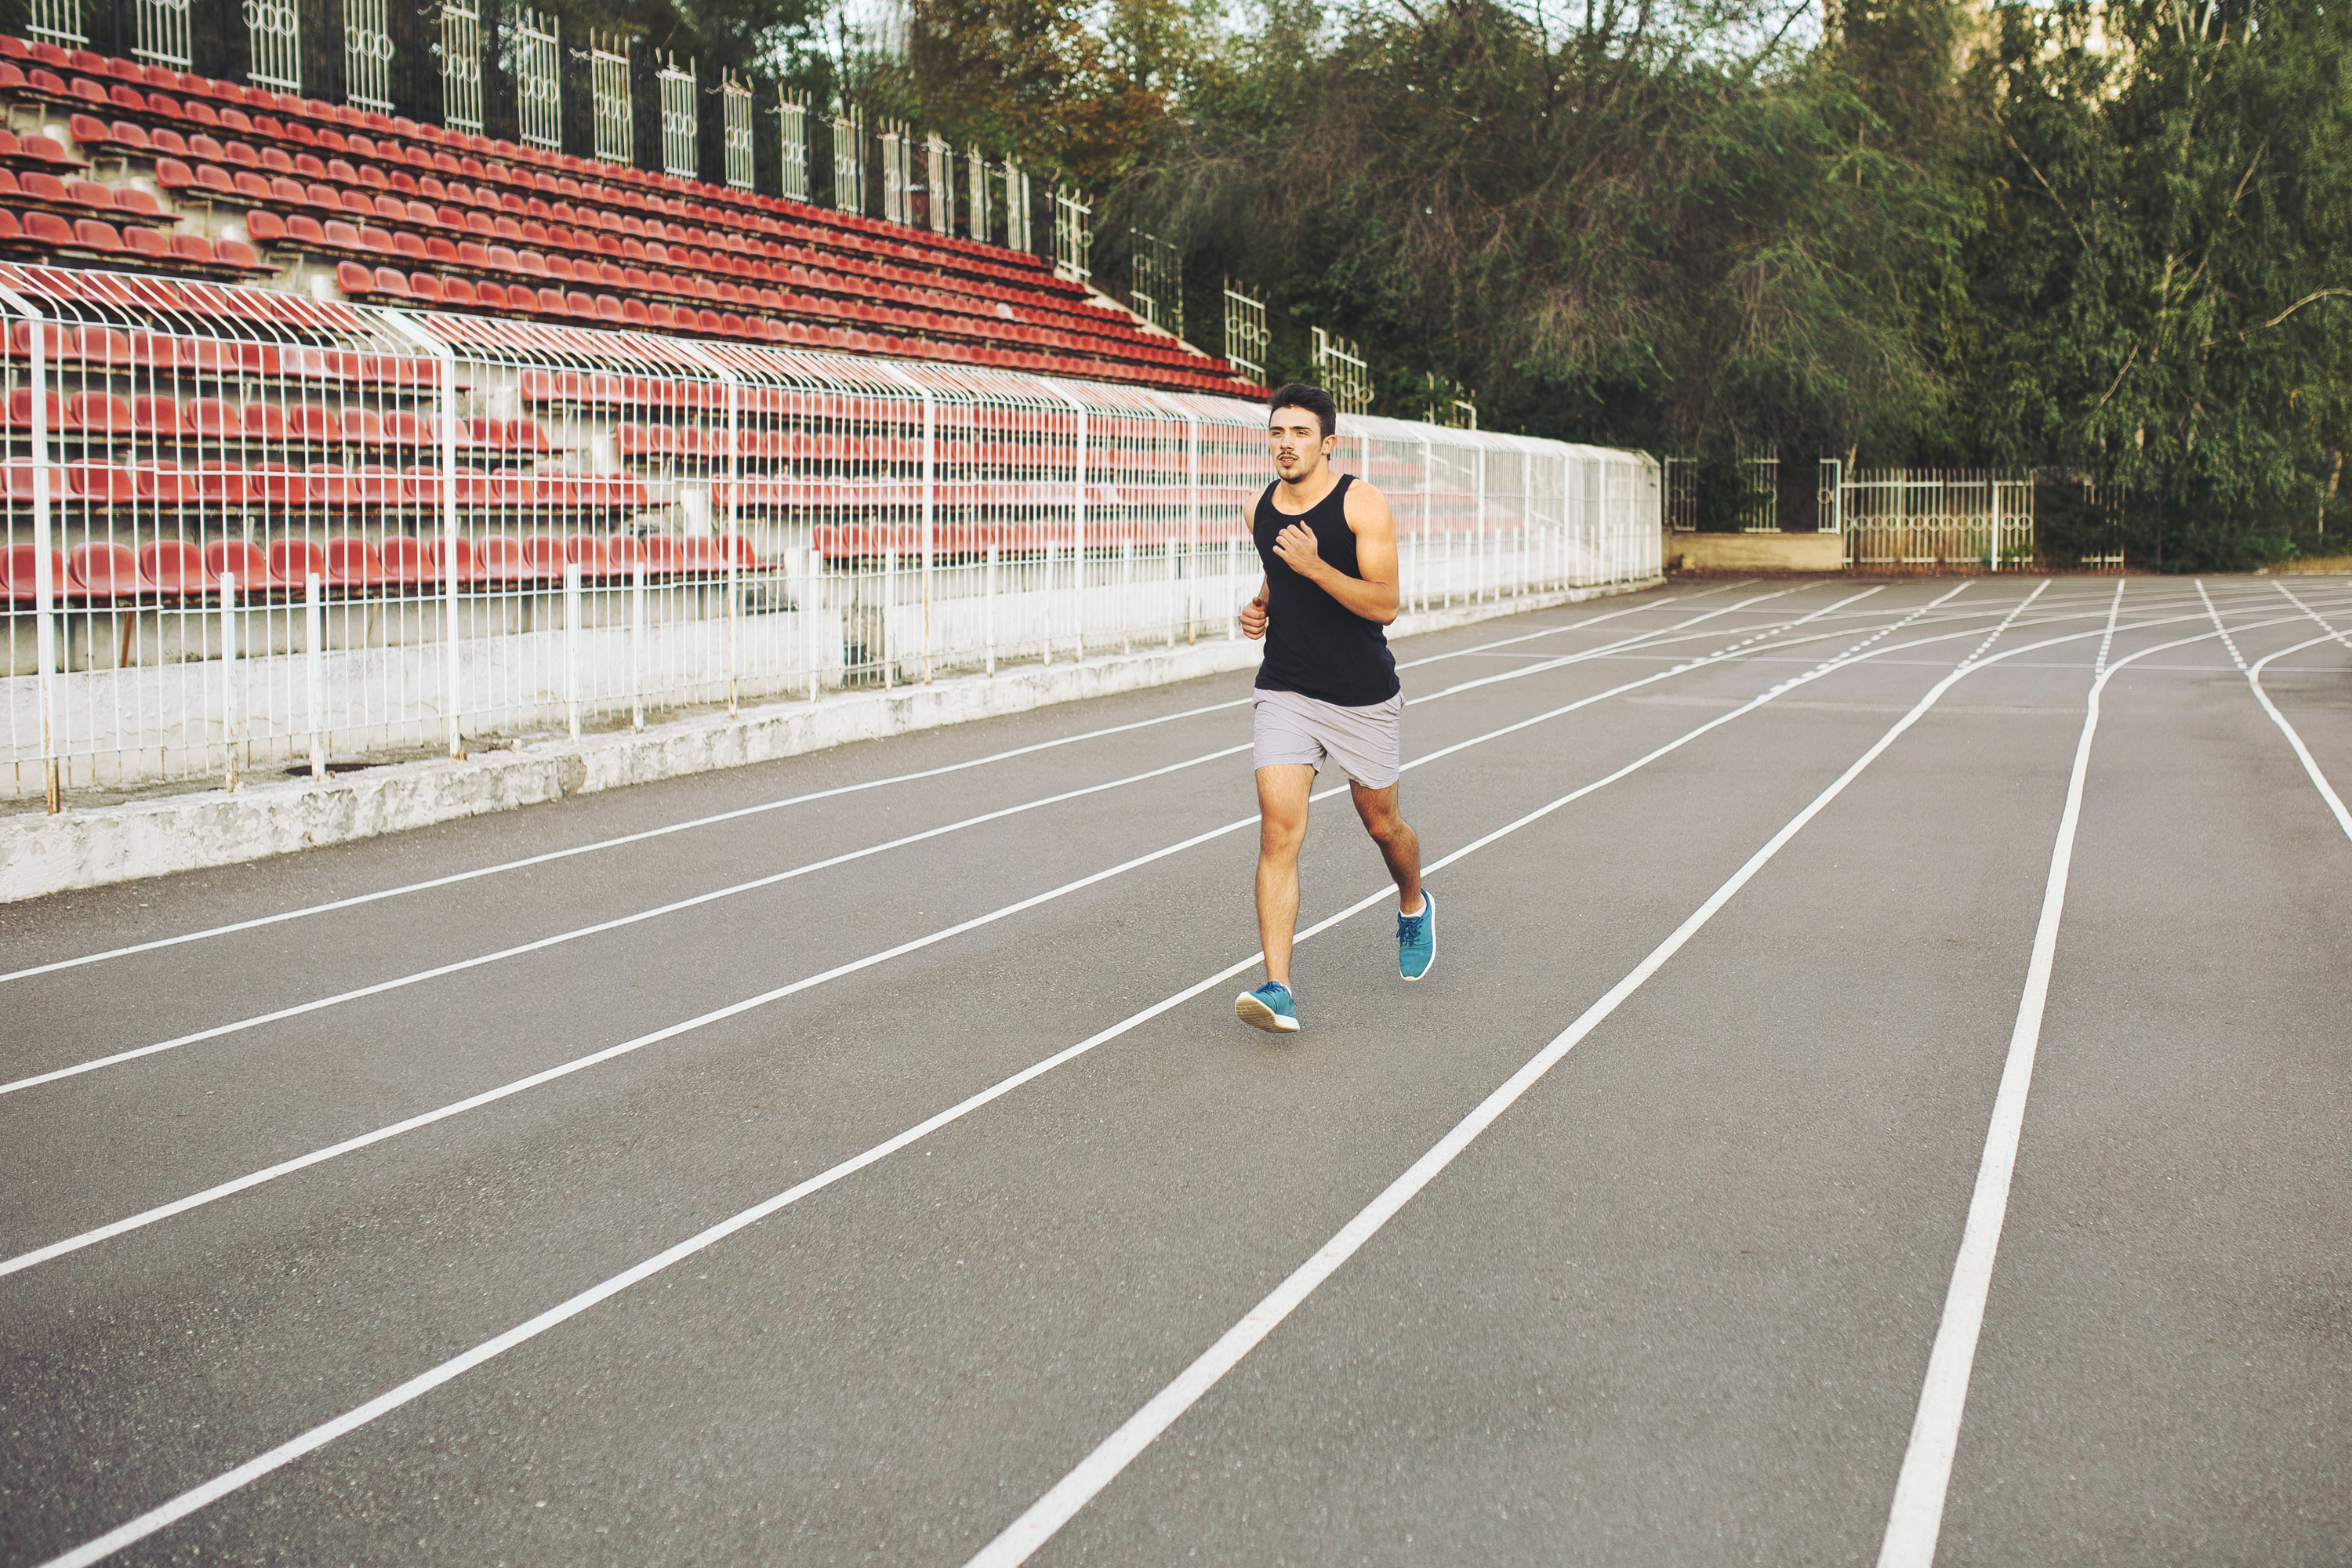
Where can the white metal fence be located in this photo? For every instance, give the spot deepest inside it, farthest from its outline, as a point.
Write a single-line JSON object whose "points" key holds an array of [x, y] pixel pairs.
{"points": [[1936, 517], [250, 531]]}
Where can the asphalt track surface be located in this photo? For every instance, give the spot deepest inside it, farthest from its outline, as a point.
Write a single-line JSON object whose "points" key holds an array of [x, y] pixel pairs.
{"points": [[544, 1248]]}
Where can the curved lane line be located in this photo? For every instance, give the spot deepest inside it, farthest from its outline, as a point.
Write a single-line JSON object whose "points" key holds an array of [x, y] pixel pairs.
{"points": [[1915, 1518]]}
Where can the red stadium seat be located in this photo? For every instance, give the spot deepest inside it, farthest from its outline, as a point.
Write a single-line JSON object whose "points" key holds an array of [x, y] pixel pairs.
{"points": [[586, 551], [657, 552], [354, 564], [104, 571], [407, 564], [60, 413], [102, 484], [461, 565], [19, 565], [175, 566], [223, 556], [157, 416], [501, 558], [212, 419], [293, 561], [166, 484], [101, 412]]}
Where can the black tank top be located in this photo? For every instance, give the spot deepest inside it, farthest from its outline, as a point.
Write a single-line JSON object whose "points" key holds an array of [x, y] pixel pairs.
{"points": [[1315, 646]]}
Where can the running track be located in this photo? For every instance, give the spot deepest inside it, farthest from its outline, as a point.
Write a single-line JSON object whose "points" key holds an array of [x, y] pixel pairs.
{"points": [[855, 1158]]}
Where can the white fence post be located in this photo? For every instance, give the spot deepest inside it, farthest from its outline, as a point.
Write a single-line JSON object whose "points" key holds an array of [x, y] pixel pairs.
{"points": [[314, 629], [637, 643], [988, 612], [228, 674], [44, 580], [572, 648]]}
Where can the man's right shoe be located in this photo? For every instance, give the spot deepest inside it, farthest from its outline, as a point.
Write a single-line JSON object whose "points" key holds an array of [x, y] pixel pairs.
{"points": [[1270, 1007]]}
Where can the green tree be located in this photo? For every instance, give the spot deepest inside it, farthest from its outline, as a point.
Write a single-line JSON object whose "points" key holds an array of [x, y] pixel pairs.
{"points": [[2156, 285]]}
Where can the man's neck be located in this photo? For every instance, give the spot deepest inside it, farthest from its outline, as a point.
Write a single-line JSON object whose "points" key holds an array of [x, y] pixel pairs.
{"points": [[1303, 494]]}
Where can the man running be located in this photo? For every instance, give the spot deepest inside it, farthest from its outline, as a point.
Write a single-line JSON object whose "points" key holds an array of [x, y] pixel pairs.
{"points": [[1328, 687]]}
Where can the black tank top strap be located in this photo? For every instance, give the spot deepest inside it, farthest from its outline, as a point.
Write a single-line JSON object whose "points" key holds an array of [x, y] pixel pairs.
{"points": [[1315, 646]]}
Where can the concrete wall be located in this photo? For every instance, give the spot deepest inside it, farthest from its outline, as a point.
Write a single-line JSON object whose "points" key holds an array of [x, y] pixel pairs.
{"points": [[41, 854], [1754, 552]]}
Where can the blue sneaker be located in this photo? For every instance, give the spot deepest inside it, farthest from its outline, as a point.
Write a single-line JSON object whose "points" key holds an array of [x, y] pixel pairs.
{"points": [[1417, 939], [1270, 1007]]}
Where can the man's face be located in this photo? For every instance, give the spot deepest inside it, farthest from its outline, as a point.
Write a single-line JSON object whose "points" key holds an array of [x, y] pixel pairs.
{"points": [[1299, 444]]}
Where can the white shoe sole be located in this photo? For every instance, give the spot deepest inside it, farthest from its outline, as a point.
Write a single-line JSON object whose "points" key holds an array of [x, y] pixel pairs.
{"points": [[1429, 907], [1258, 1016]]}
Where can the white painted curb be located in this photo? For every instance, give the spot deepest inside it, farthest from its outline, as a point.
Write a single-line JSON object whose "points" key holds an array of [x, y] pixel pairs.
{"points": [[41, 854]]}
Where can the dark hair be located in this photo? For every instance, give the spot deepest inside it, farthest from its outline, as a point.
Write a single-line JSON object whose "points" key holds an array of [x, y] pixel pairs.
{"points": [[1312, 399]]}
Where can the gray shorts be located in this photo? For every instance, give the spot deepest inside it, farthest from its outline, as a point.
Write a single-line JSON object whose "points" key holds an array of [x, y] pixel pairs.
{"points": [[1367, 743]]}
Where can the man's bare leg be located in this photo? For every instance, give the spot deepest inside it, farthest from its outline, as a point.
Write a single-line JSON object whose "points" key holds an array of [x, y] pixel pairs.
{"points": [[1282, 792], [1400, 846]]}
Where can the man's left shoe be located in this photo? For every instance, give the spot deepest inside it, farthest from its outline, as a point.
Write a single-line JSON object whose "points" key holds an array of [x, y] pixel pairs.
{"points": [[1417, 939]]}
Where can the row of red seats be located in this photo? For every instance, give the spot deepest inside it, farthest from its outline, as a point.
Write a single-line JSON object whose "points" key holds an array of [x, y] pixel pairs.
{"points": [[164, 354], [158, 484], [297, 423], [388, 284], [324, 195], [176, 568], [231, 258], [116, 85], [118, 94], [1140, 346], [402, 247]]}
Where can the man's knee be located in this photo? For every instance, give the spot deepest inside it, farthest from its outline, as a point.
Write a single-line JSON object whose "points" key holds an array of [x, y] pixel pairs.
{"points": [[1281, 835]]}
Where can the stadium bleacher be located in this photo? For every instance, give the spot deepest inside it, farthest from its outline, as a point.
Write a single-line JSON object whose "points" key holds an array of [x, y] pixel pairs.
{"points": [[142, 168]]}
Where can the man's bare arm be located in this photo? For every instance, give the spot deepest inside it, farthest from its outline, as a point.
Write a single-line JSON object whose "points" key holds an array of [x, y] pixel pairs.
{"points": [[1373, 594]]}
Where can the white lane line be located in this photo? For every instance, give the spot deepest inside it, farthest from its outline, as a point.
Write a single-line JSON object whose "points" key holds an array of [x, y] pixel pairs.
{"points": [[319, 1436], [1917, 1517], [620, 840], [577, 933], [425, 1119], [1038, 1523], [2115, 609], [2321, 621], [2303, 753], [418, 977], [2008, 620], [2226, 640]]}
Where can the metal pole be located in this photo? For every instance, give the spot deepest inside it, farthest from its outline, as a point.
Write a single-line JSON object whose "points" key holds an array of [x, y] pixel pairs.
{"points": [[451, 696], [45, 582], [1191, 527], [1126, 595], [637, 644], [889, 603], [228, 674], [812, 610], [727, 542], [1078, 530], [1993, 484], [930, 481], [572, 648], [989, 613], [314, 626]]}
